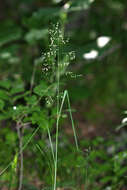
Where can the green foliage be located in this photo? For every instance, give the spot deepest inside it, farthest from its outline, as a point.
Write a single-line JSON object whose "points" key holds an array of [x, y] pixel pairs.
{"points": [[9, 32], [33, 56]]}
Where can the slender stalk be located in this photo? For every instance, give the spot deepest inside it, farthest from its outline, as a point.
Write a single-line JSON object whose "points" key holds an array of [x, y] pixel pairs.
{"points": [[51, 144], [72, 122], [24, 146], [20, 156], [57, 122], [32, 78], [47, 158]]}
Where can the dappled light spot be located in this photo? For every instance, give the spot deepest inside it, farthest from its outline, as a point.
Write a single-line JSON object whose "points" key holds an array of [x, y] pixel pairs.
{"points": [[67, 6], [91, 1], [108, 188], [5, 55], [14, 107], [103, 41], [124, 120], [91, 55], [56, 1], [93, 35]]}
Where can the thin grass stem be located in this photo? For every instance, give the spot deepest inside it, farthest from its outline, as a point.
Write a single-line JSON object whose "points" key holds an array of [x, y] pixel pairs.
{"points": [[25, 145]]}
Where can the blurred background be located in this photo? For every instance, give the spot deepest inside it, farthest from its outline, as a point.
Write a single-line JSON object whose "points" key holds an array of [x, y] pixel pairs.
{"points": [[97, 32]]}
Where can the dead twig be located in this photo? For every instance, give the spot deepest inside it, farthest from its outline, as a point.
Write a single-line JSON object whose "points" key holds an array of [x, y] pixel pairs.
{"points": [[109, 51], [19, 132]]}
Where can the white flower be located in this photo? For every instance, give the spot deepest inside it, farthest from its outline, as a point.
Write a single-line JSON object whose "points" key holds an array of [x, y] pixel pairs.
{"points": [[5, 55], [108, 188], [102, 41], [91, 55], [124, 120], [14, 107], [124, 154], [56, 1], [91, 1], [66, 6]]}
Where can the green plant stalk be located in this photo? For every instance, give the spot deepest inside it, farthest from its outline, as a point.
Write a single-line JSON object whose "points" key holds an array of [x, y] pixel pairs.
{"points": [[59, 110], [72, 121], [11, 180], [49, 160], [73, 127], [25, 145], [57, 122], [13, 171], [19, 128], [51, 144]]}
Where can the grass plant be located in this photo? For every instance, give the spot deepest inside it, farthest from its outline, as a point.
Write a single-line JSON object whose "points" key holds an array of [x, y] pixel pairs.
{"points": [[54, 67]]}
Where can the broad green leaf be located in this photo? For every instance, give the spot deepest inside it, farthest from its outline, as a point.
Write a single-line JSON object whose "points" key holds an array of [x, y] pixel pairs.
{"points": [[1, 104], [20, 111], [31, 100], [106, 179], [40, 118], [35, 34], [41, 89], [5, 84], [18, 87], [38, 17], [9, 32], [11, 137], [4, 95], [17, 97], [5, 115]]}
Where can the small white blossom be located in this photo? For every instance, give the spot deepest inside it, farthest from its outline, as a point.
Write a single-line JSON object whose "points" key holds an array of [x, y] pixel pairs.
{"points": [[5, 55], [14, 107], [66, 6], [108, 188], [91, 1], [91, 55], [124, 120], [124, 154], [103, 41]]}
